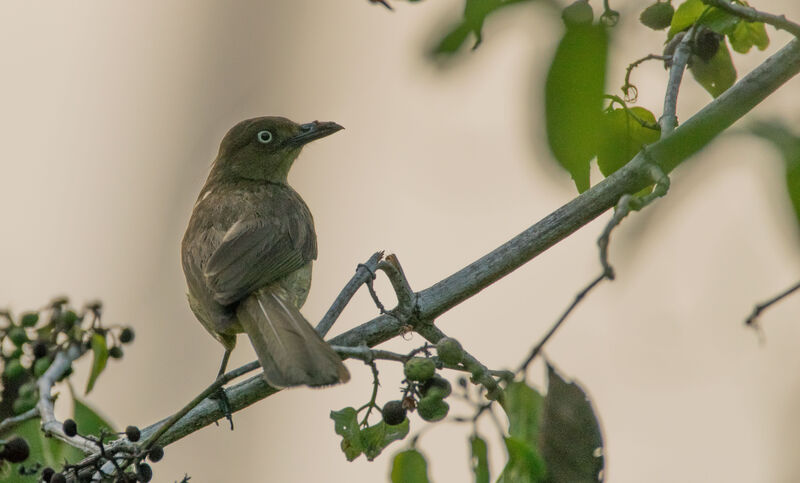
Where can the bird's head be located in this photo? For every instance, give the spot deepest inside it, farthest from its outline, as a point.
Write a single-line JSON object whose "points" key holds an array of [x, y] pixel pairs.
{"points": [[264, 148]]}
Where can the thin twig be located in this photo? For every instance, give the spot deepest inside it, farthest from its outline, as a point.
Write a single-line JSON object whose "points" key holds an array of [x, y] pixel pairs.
{"points": [[406, 298], [627, 86], [538, 347], [12, 421], [752, 15], [752, 319], [364, 272], [679, 59]]}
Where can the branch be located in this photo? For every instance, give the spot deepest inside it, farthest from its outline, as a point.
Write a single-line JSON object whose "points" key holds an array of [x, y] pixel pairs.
{"points": [[752, 319], [667, 153], [750, 14]]}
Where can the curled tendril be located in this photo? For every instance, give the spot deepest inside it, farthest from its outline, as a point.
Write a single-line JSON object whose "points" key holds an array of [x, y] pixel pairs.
{"points": [[609, 18], [630, 92]]}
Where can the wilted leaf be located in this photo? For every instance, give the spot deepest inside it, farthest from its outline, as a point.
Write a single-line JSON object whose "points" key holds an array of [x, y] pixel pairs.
{"points": [[480, 459], [100, 351], [623, 137], [748, 34], [381, 435], [574, 99], [345, 423], [409, 467], [571, 441], [716, 75]]}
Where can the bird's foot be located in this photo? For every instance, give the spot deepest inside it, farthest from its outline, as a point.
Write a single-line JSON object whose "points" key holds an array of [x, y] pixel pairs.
{"points": [[224, 405]]}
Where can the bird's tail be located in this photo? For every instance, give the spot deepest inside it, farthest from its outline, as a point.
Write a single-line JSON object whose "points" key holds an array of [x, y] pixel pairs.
{"points": [[289, 349]]}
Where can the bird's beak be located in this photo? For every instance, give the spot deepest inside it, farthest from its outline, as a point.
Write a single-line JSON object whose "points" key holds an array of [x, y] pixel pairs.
{"points": [[311, 131]]}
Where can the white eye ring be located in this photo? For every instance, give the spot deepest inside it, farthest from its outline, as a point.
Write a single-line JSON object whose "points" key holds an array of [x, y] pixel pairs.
{"points": [[264, 137]]}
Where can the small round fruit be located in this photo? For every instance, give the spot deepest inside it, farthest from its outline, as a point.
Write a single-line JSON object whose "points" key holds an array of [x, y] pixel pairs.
{"points": [[155, 454], [13, 370], [40, 366], [144, 473], [15, 450], [449, 350], [432, 408], [419, 369], [133, 434], [577, 13], [18, 336], [115, 352], [657, 16], [70, 427], [127, 335], [437, 387], [39, 349], [47, 474], [393, 413], [30, 319], [23, 405]]}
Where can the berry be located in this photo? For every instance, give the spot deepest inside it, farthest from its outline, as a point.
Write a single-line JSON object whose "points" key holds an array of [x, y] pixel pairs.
{"points": [[40, 366], [70, 427], [133, 434], [115, 352], [15, 450], [437, 387], [47, 474], [69, 318], [18, 336], [432, 408], [144, 473], [706, 44], [13, 369], [657, 16], [155, 454], [30, 319], [393, 413], [39, 349], [127, 335], [419, 369], [449, 350]]}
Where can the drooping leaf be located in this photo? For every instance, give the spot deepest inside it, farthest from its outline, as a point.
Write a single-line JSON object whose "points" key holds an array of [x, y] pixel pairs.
{"points": [[623, 137], [480, 459], [571, 441], [525, 465], [409, 467], [100, 351], [716, 75], [522, 405], [574, 99], [345, 423], [747, 34], [788, 144], [475, 14], [89, 421], [381, 435]]}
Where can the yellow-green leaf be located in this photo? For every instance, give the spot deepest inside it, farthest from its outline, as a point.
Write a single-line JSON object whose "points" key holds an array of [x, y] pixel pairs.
{"points": [[624, 136], [409, 467], [100, 351], [748, 34]]}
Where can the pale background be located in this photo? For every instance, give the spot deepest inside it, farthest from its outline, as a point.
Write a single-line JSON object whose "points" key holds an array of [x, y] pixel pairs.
{"points": [[113, 112]]}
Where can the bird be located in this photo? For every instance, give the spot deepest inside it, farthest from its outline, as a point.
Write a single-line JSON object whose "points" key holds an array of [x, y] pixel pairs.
{"points": [[248, 250]]}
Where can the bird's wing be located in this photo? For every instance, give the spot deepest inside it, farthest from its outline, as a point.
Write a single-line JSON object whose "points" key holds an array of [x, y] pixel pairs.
{"points": [[256, 252]]}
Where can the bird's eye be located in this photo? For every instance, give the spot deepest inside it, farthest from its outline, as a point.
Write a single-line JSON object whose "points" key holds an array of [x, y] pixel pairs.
{"points": [[264, 137]]}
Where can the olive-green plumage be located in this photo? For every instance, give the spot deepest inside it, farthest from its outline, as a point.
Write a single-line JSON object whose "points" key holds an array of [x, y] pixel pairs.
{"points": [[248, 250]]}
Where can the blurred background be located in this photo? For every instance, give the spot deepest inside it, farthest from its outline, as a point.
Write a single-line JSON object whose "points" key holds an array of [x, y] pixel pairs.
{"points": [[113, 113]]}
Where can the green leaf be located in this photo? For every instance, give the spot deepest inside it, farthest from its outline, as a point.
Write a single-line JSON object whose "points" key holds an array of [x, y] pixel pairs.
{"points": [[346, 425], [524, 463], [748, 34], [409, 467], [522, 405], [89, 421], [788, 144], [100, 350], [376, 438], [571, 441], [480, 459], [574, 99], [475, 13], [685, 16], [48, 451], [716, 75], [624, 136]]}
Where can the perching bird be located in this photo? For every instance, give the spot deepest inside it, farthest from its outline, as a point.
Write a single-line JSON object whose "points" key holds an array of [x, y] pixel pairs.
{"points": [[248, 250]]}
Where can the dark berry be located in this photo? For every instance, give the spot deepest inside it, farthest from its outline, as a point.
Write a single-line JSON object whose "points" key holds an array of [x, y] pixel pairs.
{"points": [[39, 349], [127, 335], [58, 478], [70, 427], [133, 434], [115, 352], [144, 473], [47, 474], [15, 450], [30, 319], [394, 413], [155, 454]]}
